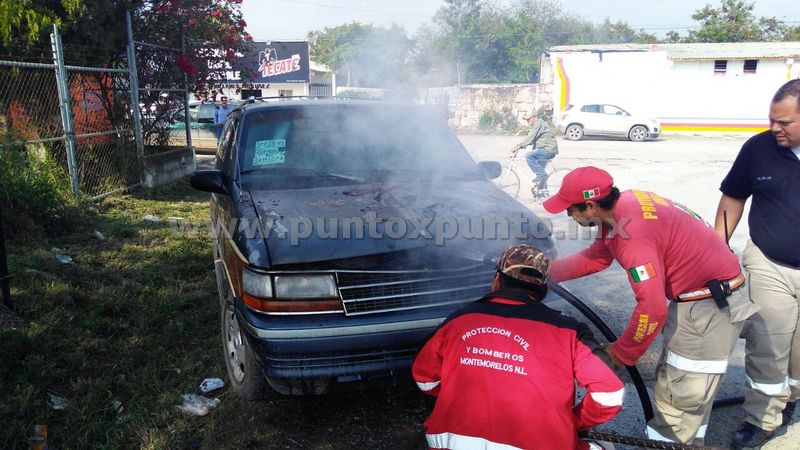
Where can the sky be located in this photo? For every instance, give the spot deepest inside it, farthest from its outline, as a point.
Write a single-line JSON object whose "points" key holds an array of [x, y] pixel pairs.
{"points": [[292, 19]]}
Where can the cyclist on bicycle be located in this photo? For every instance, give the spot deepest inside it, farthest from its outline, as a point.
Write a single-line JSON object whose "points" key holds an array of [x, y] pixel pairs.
{"points": [[543, 148]]}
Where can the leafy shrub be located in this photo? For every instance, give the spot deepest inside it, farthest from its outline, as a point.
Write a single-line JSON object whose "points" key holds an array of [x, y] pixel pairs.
{"points": [[489, 119], [502, 120], [35, 191]]}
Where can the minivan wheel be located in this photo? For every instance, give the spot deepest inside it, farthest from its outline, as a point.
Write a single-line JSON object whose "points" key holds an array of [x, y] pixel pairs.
{"points": [[637, 133], [245, 374], [574, 132]]}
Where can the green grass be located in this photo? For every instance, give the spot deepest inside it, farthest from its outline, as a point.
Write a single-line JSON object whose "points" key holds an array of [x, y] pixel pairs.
{"points": [[132, 319], [135, 318]]}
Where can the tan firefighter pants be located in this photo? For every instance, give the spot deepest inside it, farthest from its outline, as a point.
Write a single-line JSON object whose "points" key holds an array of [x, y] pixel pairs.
{"points": [[698, 339], [772, 354]]}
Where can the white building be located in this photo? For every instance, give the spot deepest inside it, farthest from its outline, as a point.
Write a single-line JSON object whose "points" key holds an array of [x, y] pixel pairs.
{"points": [[713, 87]]}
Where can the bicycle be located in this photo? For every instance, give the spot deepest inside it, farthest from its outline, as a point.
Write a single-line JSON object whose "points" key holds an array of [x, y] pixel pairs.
{"points": [[509, 180]]}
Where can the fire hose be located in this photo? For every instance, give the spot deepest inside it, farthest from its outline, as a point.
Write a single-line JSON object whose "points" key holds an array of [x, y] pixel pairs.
{"points": [[633, 372], [636, 378], [641, 442]]}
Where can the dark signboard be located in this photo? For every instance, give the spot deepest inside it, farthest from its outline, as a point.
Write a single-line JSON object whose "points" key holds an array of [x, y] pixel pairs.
{"points": [[274, 62]]}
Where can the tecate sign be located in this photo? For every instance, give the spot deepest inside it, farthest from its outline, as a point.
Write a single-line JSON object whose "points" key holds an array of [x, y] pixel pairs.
{"points": [[269, 65], [275, 62]]}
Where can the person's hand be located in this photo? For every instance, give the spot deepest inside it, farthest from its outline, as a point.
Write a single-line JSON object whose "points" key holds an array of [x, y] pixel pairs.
{"points": [[611, 354]]}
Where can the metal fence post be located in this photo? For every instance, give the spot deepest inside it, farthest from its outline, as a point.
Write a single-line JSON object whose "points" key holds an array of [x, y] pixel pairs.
{"points": [[65, 105], [186, 103], [134, 83]]}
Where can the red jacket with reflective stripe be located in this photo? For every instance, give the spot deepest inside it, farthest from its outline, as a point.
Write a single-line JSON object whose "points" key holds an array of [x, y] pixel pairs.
{"points": [[666, 250], [504, 371]]}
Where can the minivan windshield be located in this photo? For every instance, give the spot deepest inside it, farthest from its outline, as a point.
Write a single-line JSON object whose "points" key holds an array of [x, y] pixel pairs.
{"points": [[377, 142]]}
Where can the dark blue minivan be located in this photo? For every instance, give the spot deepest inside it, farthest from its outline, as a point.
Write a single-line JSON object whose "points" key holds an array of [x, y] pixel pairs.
{"points": [[345, 231]]}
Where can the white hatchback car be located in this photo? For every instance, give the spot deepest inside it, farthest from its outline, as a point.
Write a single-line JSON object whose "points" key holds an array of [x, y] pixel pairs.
{"points": [[609, 120]]}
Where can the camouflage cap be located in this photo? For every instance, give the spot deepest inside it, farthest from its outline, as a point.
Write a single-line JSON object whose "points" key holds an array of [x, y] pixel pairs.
{"points": [[524, 263]]}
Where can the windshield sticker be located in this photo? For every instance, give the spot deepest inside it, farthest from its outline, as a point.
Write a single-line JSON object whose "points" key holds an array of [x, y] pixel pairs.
{"points": [[271, 151]]}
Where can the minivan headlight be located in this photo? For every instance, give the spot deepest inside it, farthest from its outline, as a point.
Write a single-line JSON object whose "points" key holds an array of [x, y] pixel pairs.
{"points": [[305, 286], [257, 284], [290, 294]]}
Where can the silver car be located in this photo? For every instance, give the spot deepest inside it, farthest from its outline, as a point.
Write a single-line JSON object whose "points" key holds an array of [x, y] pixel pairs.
{"points": [[605, 120]]}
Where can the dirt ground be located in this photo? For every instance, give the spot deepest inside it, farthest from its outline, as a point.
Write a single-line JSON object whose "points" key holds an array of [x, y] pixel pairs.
{"points": [[687, 169]]}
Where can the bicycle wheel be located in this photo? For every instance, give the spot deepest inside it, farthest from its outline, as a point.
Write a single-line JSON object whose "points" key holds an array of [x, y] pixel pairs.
{"points": [[508, 181], [554, 181]]}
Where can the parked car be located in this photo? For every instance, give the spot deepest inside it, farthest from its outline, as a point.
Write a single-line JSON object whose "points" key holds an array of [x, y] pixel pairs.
{"points": [[363, 247], [609, 120], [201, 124]]}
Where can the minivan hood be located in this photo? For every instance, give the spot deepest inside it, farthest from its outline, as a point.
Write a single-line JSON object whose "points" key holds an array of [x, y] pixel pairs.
{"points": [[330, 223]]}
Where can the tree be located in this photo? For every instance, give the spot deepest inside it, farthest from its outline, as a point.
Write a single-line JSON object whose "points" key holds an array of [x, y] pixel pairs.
{"points": [[460, 23], [213, 31], [487, 44], [620, 33], [734, 21], [25, 27], [370, 56], [94, 32], [792, 34], [673, 37]]}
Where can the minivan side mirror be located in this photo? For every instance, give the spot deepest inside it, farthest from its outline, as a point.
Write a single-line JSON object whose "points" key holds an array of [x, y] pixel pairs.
{"points": [[209, 181], [490, 169]]}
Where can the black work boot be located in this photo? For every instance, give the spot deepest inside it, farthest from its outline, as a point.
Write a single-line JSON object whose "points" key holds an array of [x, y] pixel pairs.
{"points": [[788, 411], [750, 437]]}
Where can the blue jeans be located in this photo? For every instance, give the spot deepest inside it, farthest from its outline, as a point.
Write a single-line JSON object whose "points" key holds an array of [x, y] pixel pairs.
{"points": [[537, 161]]}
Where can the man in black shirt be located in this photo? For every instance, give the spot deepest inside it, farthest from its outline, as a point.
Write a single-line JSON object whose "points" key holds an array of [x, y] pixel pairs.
{"points": [[768, 169]]}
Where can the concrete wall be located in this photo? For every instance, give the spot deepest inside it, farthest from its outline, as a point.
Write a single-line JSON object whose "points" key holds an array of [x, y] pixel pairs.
{"points": [[166, 167], [685, 95], [468, 102]]}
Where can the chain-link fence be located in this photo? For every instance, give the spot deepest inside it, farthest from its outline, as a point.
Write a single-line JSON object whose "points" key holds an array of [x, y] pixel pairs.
{"points": [[162, 97], [79, 117], [85, 118], [30, 119], [29, 101], [106, 156]]}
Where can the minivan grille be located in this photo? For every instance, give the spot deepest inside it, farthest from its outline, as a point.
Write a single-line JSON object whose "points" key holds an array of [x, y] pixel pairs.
{"points": [[367, 292]]}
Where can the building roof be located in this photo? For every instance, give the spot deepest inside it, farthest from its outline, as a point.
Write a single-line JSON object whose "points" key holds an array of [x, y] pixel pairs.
{"points": [[719, 50], [319, 67]]}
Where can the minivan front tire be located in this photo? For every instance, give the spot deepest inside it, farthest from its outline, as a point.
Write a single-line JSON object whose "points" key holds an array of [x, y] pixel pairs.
{"points": [[245, 374]]}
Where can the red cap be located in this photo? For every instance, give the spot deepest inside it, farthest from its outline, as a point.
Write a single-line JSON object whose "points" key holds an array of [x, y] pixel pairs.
{"points": [[580, 185]]}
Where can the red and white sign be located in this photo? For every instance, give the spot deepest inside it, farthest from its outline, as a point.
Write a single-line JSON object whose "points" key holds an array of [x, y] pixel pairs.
{"points": [[278, 67]]}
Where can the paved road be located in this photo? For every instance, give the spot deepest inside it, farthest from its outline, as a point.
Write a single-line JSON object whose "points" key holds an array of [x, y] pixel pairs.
{"points": [[685, 169]]}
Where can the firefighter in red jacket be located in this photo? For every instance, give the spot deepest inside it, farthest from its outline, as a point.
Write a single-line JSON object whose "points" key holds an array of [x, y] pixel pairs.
{"points": [[668, 252], [503, 369]]}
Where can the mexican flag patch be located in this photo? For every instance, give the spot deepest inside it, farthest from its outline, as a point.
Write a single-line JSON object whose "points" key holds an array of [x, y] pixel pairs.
{"points": [[591, 193], [643, 272]]}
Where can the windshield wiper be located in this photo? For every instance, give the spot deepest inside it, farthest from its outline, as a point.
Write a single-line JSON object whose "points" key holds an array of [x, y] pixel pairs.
{"points": [[299, 171], [343, 176]]}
